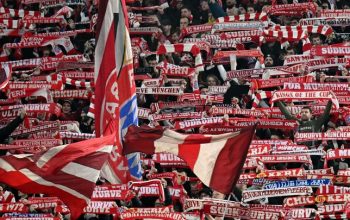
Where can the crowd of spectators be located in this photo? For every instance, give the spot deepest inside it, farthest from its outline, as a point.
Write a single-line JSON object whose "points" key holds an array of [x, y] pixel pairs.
{"points": [[206, 88]]}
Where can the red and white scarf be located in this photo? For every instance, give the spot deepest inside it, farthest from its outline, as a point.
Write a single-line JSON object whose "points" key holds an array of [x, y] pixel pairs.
{"points": [[137, 186], [168, 159], [296, 59], [20, 12], [331, 13], [312, 65], [294, 35], [305, 96], [251, 195], [175, 116], [316, 86], [285, 158], [69, 81], [144, 31], [220, 110], [335, 21], [317, 29], [76, 136], [270, 83], [100, 207], [22, 93], [195, 29], [326, 136], [330, 51], [157, 106], [191, 48], [298, 201], [238, 26], [70, 94], [58, 33], [199, 97], [244, 17], [258, 96], [175, 91], [295, 9]]}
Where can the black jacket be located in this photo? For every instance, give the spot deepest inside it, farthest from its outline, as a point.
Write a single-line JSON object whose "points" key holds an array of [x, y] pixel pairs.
{"points": [[8, 129]]}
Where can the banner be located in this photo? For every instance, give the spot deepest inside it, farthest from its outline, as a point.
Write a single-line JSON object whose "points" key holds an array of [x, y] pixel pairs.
{"points": [[330, 51], [304, 95], [251, 195], [331, 208], [285, 158], [332, 190], [13, 207], [269, 83], [176, 91], [326, 136], [334, 22], [239, 212], [331, 13], [316, 86], [295, 59], [294, 183], [280, 174], [298, 201]]}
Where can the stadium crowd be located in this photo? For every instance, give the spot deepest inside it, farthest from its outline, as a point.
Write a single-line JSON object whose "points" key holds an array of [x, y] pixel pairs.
{"points": [[200, 67]]}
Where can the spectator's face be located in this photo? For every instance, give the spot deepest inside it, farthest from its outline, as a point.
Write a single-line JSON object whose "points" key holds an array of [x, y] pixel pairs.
{"points": [[175, 37], [166, 28], [66, 108], [250, 10], [185, 13], [204, 6], [83, 115], [305, 114], [211, 81], [242, 10], [268, 61], [232, 11], [274, 137], [203, 195], [204, 91], [290, 52], [179, 5], [183, 84], [230, 3], [158, 203], [180, 178], [331, 80], [316, 41], [46, 53], [325, 6], [183, 23], [194, 187], [152, 63], [218, 195], [294, 22]]}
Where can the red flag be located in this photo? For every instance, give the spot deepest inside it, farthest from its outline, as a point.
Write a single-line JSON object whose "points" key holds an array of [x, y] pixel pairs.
{"points": [[67, 171], [111, 63], [215, 159]]}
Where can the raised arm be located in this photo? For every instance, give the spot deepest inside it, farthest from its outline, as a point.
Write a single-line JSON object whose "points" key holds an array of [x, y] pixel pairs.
{"points": [[285, 111]]}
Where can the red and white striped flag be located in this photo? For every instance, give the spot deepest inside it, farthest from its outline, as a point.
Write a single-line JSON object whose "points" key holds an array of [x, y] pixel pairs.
{"points": [[216, 160], [67, 171], [114, 73]]}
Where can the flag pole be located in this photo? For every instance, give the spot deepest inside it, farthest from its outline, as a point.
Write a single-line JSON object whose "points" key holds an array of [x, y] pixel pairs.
{"points": [[233, 186], [228, 200]]}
